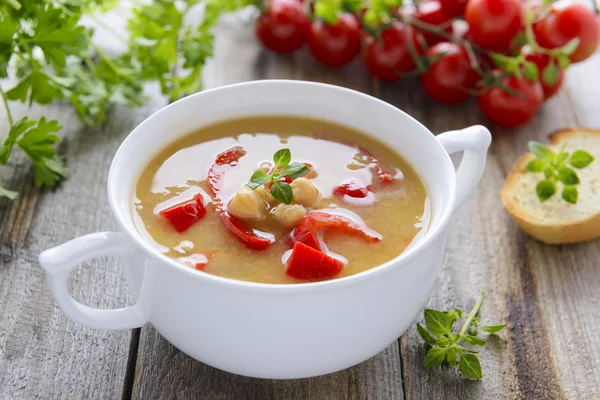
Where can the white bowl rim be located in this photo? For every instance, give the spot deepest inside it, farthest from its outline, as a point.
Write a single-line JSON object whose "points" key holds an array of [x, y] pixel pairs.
{"points": [[396, 262]]}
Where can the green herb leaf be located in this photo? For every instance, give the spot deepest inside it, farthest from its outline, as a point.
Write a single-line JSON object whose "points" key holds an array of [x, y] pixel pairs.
{"points": [[8, 193], [581, 159], [442, 341], [451, 358], [259, 178], [536, 165], [530, 70], [570, 194], [282, 157], [550, 74], [472, 330], [282, 192], [295, 170], [545, 189], [470, 367], [541, 151], [434, 356], [568, 176], [425, 335], [549, 173], [437, 322], [474, 340], [493, 328], [561, 157]]}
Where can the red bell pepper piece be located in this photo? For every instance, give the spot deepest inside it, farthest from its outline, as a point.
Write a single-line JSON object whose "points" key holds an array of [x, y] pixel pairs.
{"points": [[352, 189], [308, 229], [310, 264], [186, 214], [251, 238], [384, 176]]}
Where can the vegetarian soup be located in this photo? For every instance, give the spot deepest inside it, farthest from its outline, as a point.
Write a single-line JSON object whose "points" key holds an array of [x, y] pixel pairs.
{"points": [[280, 200]]}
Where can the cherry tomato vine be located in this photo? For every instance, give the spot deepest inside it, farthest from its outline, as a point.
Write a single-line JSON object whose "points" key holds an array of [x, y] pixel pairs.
{"points": [[510, 54]]}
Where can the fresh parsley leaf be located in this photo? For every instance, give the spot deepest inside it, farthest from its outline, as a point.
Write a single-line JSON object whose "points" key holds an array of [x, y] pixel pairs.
{"points": [[425, 335], [570, 194], [545, 189], [295, 170], [18, 129], [536, 165], [470, 367], [568, 176], [581, 159], [8, 193], [437, 322], [434, 356], [259, 178], [493, 328], [282, 192], [38, 86], [282, 158], [541, 151]]}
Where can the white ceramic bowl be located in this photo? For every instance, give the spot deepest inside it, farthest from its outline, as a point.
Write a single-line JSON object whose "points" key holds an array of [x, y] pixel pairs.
{"points": [[264, 330]]}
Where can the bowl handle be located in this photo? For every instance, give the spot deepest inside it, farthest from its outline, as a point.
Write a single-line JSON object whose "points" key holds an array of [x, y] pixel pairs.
{"points": [[474, 141], [61, 260]]}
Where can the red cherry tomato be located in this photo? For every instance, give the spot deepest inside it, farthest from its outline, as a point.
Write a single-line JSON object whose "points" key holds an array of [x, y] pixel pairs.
{"points": [[447, 79], [283, 27], [431, 13], [454, 8], [311, 264], [387, 56], [542, 60], [494, 23], [335, 45], [508, 110], [566, 23], [182, 216]]}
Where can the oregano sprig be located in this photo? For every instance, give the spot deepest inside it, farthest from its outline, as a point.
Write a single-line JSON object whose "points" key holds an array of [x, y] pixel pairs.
{"points": [[448, 346], [556, 167], [283, 169]]}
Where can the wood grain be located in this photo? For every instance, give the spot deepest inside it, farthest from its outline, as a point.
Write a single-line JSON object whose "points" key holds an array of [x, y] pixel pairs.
{"points": [[42, 353]]}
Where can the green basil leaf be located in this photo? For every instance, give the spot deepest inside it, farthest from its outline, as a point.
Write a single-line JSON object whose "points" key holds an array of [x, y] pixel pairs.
{"points": [[493, 328], [570, 194], [581, 159], [295, 170], [568, 176], [549, 173], [561, 157], [434, 356], [545, 189], [474, 340], [451, 358], [570, 47], [258, 178], [282, 192], [442, 341], [541, 151], [531, 71], [282, 157], [425, 335], [550, 74], [472, 331], [437, 322], [536, 165], [470, 367]]}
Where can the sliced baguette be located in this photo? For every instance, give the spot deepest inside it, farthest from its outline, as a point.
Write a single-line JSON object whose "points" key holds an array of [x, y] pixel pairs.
{"points": [[555, 221]]}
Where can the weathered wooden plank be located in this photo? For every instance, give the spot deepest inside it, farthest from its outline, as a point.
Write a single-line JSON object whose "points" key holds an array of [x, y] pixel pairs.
{"points": [[42, 353], [162, 370]]}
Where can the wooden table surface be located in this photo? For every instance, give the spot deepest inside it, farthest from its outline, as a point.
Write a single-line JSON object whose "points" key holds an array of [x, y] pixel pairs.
{"points": [[548, 295]]}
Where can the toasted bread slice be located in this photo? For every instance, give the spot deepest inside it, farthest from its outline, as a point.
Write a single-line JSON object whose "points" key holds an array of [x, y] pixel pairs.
{"points": [[555, 220]]}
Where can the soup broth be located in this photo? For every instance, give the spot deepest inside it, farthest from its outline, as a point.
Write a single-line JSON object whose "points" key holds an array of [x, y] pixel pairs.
{"points": [[380, 195]]}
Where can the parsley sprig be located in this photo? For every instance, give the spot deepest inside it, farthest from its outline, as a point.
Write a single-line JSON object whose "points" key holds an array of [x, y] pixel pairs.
{"points": [[444, 345], [50, 54], [555, 167], [281, 190]]}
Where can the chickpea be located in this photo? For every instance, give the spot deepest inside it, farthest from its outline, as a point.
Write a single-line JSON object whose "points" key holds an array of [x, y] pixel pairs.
{"points": [[305, 192], [288, 215], [247, 205], [266, 195]]}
